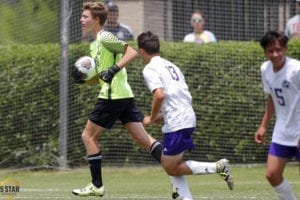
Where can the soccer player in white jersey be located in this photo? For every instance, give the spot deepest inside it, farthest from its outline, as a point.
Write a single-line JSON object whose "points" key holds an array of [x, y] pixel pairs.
{"points": [[281, 81], [172, 102], [292, 29]]}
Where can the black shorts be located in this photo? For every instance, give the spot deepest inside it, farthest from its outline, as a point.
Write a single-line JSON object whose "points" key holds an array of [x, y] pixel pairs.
{"points": [[107, 112]]}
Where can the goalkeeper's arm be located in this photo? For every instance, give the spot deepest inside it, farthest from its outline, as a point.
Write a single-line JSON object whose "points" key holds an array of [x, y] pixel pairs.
{"points": [[129, 55]]}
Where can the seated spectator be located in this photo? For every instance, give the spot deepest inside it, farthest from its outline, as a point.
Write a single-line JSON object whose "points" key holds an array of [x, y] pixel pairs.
{"points": [[199, 35], [292, 29], [112, 25]]}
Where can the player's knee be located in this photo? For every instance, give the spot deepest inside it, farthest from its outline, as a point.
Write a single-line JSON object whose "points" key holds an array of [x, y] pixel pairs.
{"points": [[170, 169], [87, 138], [84, 137], [273, 178], [269, 175], [172, 172]]}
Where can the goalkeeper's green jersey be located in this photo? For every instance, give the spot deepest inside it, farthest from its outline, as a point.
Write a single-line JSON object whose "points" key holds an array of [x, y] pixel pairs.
{"points": [[107, 50]]}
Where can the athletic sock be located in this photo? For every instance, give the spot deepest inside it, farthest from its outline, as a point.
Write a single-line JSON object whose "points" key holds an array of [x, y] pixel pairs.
{"points": [[95, 168], [284, 191], [182, 187], [202, 167], [156, 150]]}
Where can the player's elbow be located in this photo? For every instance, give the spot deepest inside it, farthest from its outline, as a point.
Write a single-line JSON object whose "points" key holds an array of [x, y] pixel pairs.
{"points": [[159, 94], [131, 51]]}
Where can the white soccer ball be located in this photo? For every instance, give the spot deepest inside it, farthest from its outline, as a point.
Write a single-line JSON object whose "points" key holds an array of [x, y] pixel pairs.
{"points": [[87, 66]]}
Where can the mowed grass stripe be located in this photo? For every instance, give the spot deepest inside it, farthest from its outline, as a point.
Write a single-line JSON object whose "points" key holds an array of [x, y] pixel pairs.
{"points": [[146, 183]]}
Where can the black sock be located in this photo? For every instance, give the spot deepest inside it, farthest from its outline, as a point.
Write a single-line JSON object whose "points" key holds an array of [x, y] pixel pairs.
{"points": [[156, 150], [95, 168]]}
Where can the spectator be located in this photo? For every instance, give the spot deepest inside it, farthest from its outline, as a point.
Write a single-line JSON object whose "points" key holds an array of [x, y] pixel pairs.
{"points": [[199, 35], [292, 29], [112, 25]]}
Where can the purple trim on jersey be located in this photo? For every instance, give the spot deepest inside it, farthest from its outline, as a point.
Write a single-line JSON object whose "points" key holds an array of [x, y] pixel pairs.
{"points": [[284, 151], [177, 142]]}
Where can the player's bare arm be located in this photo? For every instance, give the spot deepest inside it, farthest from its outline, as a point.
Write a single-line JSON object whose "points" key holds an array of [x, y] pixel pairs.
{"points": [[158, 97], [261, 132], [129, 55]]}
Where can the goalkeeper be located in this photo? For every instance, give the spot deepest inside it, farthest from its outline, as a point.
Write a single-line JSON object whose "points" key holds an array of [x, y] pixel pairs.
{"points": [[115, 100], [172, 102]]}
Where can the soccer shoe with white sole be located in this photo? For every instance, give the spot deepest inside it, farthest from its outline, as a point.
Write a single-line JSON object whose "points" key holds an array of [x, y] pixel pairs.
{"points": [[223, 169], [89, 190]]}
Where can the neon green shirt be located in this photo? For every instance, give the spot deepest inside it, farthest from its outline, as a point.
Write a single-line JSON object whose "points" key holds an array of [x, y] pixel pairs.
{"points": [[107, 50]]}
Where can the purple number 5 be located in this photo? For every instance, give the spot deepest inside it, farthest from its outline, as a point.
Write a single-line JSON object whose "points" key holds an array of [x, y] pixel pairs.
{"points": [[173, 73], [278, 93]]}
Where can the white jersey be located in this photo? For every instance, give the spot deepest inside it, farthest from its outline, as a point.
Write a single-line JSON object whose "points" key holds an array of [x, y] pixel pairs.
{"points": [[177, 107], [284, 87], [292, 28]]}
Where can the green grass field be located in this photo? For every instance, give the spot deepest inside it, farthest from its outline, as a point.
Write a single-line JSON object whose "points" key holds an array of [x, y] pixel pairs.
{"points": [[145, 183]]}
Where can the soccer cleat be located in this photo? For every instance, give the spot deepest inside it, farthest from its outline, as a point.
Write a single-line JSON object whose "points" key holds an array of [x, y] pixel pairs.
{"points": [[224, 170], [89, 190], [174, 193]]}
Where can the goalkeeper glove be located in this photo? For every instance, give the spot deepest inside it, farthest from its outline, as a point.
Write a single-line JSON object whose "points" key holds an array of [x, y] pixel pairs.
{"points": [[78, 76], [108, 74]]}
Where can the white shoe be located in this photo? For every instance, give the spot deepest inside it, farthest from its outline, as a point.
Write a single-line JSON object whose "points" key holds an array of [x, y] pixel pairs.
{"points": [[89, 190], [224, 170]]}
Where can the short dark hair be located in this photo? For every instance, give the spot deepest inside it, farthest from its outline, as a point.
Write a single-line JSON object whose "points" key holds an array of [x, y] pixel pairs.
{"points": [[149, 42], [271, 37]]}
